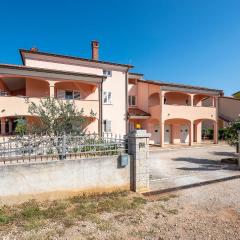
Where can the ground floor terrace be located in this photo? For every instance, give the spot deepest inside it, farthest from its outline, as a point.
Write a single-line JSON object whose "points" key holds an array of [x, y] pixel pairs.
{"points": [[177, 131], [8, 125]]}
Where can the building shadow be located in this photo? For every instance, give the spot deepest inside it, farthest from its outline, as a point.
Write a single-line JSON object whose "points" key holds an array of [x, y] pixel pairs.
{"points": [[225, 154], [204, 164]]}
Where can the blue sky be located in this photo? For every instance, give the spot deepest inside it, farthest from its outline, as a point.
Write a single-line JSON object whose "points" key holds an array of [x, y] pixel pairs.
{"points": [[187, 41]]}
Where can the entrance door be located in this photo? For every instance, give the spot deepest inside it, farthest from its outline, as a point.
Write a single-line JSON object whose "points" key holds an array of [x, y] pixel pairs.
{"points": [[184, 134], [156, 134], [167, 134]]}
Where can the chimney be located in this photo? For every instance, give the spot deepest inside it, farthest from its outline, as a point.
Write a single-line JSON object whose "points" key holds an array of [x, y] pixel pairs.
{"points": [[95, 47], [34, 49]]}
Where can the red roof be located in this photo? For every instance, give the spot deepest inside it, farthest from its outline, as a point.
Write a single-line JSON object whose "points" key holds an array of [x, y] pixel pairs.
{"points": [[137, 112]]}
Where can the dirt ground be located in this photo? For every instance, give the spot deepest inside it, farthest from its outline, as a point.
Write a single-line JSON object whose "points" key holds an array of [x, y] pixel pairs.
{"points": [[206, 212]]}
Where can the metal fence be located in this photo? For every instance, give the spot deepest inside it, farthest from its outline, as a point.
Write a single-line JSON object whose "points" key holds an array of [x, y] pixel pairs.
{"points": [[46, 148]]}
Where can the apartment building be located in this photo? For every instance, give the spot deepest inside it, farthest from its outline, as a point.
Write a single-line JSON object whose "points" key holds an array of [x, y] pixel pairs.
{"points": [[122, 101], [173, 113]]}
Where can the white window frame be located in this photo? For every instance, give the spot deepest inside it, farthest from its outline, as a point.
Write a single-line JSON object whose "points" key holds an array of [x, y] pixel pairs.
{"points": [[130, 100], [107, 126], [63, 92], [107, 72], [107, 97]]}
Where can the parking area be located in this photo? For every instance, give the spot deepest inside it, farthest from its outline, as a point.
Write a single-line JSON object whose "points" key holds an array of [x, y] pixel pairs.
{"points": [[171, 168]]}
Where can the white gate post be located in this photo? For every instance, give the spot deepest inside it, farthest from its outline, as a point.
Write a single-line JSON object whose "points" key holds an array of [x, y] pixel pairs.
{"points": [[138, 147]]}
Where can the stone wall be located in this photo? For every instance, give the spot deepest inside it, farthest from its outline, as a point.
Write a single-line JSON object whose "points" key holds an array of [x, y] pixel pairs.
{"points": [[60, 179]]}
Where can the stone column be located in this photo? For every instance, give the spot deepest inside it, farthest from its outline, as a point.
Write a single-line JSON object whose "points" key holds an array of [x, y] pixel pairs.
{"points": [[138, 148], [215, 133], [161, 134], [192, 99], [191, 131], [3, 126], [52, 89]]}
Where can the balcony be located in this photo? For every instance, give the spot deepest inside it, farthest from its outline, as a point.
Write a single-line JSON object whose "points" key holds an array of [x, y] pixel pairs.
{"points": [[188, 112], [17, 106]]}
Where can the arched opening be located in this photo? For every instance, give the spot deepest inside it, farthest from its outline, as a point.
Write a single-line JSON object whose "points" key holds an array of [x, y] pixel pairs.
{"points": [[203, 100], [177, 131], [23, 86], [177, 98], [154, 99], [205, 130], [75, 90], [12, 86]]}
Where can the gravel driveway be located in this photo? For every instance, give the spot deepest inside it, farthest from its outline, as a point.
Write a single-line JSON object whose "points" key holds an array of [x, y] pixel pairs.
{"points": [[209, 212], [179, 167]]}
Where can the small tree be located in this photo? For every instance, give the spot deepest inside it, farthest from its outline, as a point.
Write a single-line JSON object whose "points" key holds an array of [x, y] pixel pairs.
{"points": [[56, 117], [21, 126]]}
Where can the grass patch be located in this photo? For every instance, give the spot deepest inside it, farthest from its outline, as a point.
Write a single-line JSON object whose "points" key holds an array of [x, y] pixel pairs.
{"points": [[34, 215], [173, 211], [4, 219]]}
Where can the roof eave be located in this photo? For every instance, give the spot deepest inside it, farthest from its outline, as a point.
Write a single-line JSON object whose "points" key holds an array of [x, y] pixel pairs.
{"points": [[182, 86], [22, 51]]}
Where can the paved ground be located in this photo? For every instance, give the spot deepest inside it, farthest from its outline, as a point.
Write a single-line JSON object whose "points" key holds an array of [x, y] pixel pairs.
{"points": [[171, 168]]}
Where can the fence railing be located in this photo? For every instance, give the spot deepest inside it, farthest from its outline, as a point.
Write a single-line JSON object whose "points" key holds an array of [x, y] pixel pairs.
{"points": [[46, 148]]}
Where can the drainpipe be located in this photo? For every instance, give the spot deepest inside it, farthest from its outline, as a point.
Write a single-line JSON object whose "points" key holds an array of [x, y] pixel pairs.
{"points": [[238, 148], [126, 99], [100, 121]]}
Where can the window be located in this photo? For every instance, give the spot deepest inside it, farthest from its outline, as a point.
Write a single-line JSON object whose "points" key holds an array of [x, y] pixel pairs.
{"points": [[107, 97], [68, 94], [132, 100], [107, 126], [107, 73]]}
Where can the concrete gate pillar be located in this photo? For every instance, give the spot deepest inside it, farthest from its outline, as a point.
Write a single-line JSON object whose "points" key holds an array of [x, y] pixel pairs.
{"points": [[138, 148]]}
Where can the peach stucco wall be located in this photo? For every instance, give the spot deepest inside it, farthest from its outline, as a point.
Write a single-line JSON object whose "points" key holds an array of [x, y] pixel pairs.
{"points": [[177, 98], [229, 107], [116, 112], [37, 88], [62, 66]]}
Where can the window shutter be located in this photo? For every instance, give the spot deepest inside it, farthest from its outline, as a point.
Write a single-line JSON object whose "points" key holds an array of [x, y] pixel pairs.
{"points": [[108, 126], [109, 97], [104, 97], [60, 93], [76, 95], [133, 101]]}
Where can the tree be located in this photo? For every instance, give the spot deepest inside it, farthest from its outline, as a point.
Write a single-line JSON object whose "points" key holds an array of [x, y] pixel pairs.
{"points": [[236, 95], [56, 117], [232, 133]]}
